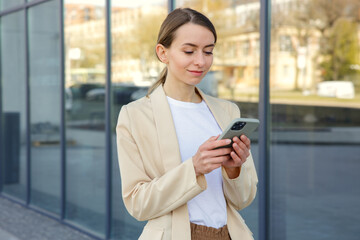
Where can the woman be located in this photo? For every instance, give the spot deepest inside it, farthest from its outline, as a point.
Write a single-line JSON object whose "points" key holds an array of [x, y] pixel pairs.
{"points": [[172, 175]]}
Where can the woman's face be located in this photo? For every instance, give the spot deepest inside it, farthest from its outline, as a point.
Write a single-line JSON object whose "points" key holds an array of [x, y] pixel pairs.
{"points": [[190, 55]]}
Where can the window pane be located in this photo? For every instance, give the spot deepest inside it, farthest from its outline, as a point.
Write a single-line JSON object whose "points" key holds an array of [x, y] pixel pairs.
{"points": [[315, 105], [45, 86], [135, 25], [6, 4], [13, 104], [235, 72], [85, 113]]}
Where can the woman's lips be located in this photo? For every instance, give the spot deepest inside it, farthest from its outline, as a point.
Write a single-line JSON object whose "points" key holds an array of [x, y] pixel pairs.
{"points": [[196, 73]]}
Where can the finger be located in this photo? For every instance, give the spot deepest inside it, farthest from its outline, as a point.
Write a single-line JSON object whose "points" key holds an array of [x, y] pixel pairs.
{"points": [[242, 145], [218, 143], [214, 163], [217, 160], [203, 164], [245, 143], [208, 168], [241, 150], [238, 150], [220, 151], [238, 161], [213, 138], [236, 140], [208, 143], [212, 167], [245, 140]]}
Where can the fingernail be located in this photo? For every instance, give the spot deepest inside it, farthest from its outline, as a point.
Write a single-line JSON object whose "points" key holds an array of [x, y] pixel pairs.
{"points": [[228, 141]]}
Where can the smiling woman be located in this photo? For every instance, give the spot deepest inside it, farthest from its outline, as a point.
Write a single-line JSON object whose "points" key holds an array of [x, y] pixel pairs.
{"points": [[205, 39], [187, 60], [173, 173]]}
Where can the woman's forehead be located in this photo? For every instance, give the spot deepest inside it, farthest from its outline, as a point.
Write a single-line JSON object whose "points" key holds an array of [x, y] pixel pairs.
{"points": [[194, 34]]}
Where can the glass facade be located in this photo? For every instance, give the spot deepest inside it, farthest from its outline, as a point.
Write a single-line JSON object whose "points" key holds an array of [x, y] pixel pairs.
{"points": [[45, 104], [315, 110], [13, 105], [134, 66], [58, 155], [7, 4], [85, 113]]}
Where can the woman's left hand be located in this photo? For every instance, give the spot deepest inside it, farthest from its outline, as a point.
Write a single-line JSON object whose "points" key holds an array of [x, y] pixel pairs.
{"points": [[241, 151]]}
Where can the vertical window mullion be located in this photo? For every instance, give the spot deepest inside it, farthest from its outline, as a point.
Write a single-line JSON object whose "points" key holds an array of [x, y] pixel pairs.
{"points": [[28, 125], [264, 116], [1, 126], [171, 5], [108, 130], [62, 121]]}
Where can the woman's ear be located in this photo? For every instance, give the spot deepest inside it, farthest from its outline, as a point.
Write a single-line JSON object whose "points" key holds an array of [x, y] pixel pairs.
{"points": [[161, 53]]}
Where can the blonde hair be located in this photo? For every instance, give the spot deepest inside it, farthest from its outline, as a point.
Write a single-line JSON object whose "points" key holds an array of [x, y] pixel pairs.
{"points": [[172, 22]]}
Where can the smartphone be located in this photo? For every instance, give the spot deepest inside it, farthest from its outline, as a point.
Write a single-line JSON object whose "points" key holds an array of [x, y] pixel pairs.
{"points": [[238, 127]]}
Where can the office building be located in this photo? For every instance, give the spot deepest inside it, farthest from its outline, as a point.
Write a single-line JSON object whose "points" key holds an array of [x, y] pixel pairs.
{"points": [[68, 66]]}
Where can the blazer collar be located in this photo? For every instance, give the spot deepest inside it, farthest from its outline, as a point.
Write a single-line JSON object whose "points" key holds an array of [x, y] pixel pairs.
{"points": [[169, 145], [217, 111]]}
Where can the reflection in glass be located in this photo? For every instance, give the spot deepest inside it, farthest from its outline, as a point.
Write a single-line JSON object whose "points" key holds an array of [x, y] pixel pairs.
{"points": [[13, 101], [85, 113], [45, 86], [7, 4], [315, 100], [135, 26], [235, 71]]}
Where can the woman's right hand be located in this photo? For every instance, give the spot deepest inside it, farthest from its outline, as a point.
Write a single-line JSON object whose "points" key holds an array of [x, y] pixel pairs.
{"points": [[208, 158]]}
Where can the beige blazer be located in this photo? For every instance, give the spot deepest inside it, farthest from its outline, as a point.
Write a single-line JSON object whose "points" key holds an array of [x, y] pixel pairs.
{"points": [[156, 185]]}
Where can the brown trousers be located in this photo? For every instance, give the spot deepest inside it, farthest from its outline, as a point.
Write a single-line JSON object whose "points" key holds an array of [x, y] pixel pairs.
{"points": [[199, 232]]}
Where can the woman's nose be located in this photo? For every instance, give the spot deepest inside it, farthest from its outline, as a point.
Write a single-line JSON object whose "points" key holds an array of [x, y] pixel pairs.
{"points": [[199, 59]]}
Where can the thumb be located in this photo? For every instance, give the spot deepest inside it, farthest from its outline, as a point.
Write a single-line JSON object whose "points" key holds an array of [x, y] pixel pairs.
{"points": [[214, 138]]}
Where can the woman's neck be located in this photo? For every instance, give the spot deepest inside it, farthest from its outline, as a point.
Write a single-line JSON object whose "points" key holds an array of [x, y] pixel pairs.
{"points": [[182, 92]]}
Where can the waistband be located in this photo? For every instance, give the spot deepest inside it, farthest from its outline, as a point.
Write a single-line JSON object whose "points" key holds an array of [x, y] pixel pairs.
{"points": [[199, 232]]}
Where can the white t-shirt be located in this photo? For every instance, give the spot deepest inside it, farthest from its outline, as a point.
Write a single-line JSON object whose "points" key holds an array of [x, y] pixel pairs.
{"points": [[194, 124]]}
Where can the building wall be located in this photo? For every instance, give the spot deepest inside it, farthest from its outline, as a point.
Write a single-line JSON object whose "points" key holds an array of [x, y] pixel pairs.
{"points": [[57, 156]]}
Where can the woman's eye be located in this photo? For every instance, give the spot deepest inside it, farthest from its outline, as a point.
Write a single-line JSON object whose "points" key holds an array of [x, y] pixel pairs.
{"points": [[208, 53], [188, 52]]}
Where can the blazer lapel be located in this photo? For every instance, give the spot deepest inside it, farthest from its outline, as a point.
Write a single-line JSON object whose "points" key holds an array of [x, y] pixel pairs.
{"points": [[170, 153], [165, 128], [222, 119]]}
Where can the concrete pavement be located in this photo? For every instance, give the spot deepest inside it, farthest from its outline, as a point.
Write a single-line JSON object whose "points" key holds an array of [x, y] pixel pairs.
{"points": [[20, 223], [4, 235]]}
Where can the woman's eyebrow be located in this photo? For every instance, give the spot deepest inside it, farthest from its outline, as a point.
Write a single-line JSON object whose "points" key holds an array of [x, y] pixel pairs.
{"points": [[194, 45]]}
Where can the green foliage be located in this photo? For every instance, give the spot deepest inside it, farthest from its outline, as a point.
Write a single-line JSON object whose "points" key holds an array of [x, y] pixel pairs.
{"points": [[341, 51]]}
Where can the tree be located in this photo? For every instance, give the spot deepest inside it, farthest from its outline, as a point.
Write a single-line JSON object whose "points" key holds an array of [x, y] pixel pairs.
{"points": [[297, 18], [207, 6], [134, 39], [342, 51], [336, 22], [146, 32], [332, 22]]}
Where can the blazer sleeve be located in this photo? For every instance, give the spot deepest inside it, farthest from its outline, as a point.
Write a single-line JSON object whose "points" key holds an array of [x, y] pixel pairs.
{"points": [[241, 191], [147, 197]]}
